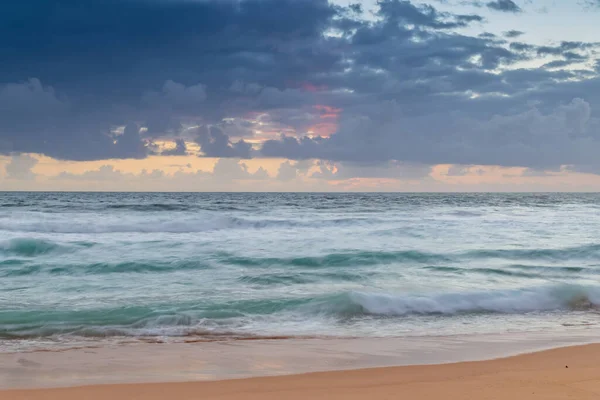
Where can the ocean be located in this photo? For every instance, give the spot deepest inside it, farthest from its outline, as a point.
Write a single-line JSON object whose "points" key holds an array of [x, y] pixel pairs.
{"points": [[79, 269]]}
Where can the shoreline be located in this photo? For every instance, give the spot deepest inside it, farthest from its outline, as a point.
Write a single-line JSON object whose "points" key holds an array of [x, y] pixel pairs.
{"points": [[563, 373], [145, 363]]}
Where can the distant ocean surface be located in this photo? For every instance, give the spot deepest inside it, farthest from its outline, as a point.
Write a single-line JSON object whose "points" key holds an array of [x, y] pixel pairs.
{"points": [[81, 268]]}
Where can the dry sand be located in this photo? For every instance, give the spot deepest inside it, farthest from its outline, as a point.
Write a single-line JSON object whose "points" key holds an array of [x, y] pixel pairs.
{"points": [[565, 373]]}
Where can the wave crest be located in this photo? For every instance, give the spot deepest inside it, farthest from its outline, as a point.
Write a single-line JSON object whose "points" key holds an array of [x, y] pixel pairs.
{"points": [[28, 247], [564, 297], [245, 317]]}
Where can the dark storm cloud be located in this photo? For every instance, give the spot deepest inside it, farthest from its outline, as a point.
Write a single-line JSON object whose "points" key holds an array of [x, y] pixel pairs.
{"points": [[504, 6], [103, 63], [407, 87], [35, 119], [214, 143], [567, 134], [150, 41]]}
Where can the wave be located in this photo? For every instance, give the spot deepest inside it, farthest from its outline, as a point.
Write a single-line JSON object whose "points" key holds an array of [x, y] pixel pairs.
{"points": [[566, 253], [150, 207], [99, 268], [367, 258], [181, 224], [29, 247], [466, 213], [16, 205], [16, 251], [158, 207], [272, 279], [519, 271], [116, 226], [553, 298], [486, 271], [255, 316], [349, 259], [542, 268]]}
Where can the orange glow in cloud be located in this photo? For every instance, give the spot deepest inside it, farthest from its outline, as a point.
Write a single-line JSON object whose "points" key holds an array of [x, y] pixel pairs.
{"points": [[325, 129], [328, 111], [329, 120], [309, 87]]}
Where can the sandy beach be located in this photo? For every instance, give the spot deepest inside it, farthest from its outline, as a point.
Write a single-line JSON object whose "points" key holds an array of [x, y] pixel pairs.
{"points": [[564, 373]]}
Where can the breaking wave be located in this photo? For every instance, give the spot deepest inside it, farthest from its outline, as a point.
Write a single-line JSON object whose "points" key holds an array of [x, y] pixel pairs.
{"points": [[553, 298], [233, 318], [28, 247]]}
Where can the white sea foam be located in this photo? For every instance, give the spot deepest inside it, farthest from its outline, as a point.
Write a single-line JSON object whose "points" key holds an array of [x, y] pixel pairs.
{"points": [[547, 298]]}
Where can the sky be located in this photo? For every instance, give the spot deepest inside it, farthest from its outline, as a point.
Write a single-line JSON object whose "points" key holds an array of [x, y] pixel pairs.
{"points": [[300, 95]]}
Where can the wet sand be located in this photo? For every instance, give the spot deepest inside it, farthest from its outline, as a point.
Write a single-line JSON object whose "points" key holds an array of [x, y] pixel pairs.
{"points": [[116, 363], [565, 373]]}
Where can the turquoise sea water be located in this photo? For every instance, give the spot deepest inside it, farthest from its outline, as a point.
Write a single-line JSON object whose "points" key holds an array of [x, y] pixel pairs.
{"points": [[86, 267]]}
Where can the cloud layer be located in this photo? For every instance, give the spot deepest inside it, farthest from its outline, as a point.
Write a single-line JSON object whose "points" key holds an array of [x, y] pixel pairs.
{"points": [[301, 80]]}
